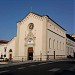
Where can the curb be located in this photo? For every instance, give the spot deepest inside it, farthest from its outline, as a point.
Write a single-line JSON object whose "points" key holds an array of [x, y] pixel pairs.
{"points": [[3, 63], [6, 64]]}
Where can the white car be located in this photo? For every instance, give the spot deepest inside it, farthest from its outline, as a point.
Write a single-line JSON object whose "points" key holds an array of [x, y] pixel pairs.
{"points": [[1, 59]]}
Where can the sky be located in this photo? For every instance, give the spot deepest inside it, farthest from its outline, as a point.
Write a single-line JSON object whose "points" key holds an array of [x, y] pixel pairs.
{"points": [[12, 11]]}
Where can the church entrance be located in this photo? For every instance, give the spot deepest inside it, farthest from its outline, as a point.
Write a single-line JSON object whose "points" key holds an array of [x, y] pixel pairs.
{"points": [[30, 53]]}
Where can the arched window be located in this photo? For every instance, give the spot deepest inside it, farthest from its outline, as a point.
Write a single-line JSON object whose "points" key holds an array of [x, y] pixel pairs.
{"points": [[5, 49], [49, 42], [10, 50]]}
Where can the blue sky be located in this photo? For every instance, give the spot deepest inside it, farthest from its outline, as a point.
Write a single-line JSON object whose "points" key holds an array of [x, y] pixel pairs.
{"points": [[12, 11]]}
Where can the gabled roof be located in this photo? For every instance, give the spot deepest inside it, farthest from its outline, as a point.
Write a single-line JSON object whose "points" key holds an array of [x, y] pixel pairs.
{"points": [[3, 41], [42, 16], [55, 22]]}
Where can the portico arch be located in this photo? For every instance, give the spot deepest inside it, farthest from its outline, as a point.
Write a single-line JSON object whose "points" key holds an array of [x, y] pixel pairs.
{"points": [[30, 46]]}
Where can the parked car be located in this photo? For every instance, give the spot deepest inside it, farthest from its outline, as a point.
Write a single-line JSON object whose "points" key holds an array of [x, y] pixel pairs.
{"points": [[1, 59], [69, 56], [6, 59]]}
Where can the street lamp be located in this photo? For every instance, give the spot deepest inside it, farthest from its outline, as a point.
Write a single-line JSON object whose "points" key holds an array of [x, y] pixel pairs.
{"points": [[54, 54], [40, 55]]}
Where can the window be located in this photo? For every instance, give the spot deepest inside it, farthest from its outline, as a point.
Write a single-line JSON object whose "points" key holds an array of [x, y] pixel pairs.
{"points": [[49, 42], [5, 49], [31, 26], [53, 43], [4, 55]]}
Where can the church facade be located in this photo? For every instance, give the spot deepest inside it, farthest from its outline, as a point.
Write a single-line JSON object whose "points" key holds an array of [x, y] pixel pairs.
{"points": [[38, 38]]}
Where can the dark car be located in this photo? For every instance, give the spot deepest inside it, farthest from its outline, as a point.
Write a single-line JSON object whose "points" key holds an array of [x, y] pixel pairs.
{"points": [[6, 59]]}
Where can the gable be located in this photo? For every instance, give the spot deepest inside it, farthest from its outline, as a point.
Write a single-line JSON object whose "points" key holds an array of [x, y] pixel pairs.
{"points": [[29, 15]]}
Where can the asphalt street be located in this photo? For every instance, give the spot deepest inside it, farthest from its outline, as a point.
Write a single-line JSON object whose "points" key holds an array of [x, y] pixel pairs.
{"points": [[40, 68]]}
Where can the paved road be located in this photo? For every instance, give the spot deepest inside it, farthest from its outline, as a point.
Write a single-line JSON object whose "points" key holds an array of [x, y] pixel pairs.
{"points": [[40, 68]]}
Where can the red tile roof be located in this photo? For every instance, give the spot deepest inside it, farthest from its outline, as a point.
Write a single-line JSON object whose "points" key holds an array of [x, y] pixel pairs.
{"points": [[3, 41]]}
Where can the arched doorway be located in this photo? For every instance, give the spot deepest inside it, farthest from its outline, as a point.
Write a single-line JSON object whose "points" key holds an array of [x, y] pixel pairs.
{"points": [[10, 54], [30, 53]]}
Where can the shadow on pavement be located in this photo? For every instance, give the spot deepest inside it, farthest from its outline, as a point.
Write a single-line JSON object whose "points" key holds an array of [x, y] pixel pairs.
{"points": [[7, 74], [71, 62], [66, 72]]}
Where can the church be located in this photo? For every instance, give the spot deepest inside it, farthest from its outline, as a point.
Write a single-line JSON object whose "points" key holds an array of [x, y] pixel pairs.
{"points": [[38, 38]]}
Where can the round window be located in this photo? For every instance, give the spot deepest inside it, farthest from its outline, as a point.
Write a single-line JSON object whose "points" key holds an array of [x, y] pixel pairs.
{"points": [[31, 26]]}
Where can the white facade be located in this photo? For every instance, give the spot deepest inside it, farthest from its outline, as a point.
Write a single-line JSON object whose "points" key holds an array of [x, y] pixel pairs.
{"points": [[38, 38], [11, 45], [2, 50], [55, 40], [5, 48], [70, 45]]}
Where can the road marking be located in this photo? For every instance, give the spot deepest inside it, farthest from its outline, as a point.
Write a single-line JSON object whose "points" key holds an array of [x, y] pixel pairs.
{"points": [[42, 63], [21, 68], [56, 61], [49, 62], [54, 69], [4, 71], [45, 63], [32, 65]]}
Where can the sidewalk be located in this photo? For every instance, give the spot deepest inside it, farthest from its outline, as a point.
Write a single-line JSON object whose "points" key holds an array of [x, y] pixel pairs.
{"points": [[16, 63], [62, 59], [3, 63]]}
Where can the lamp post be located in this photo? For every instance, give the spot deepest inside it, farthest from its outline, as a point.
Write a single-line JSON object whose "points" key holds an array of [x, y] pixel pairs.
{"points": [[54, 54], [40, 56]]}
